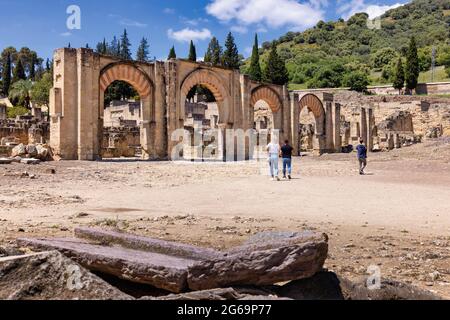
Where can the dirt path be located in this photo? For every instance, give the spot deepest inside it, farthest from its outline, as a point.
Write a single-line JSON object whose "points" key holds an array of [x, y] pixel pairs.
{"points": [[398, 217]]}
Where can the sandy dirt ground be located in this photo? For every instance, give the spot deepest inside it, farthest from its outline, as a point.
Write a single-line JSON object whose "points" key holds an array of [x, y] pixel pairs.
{"points": [[397, 217]]}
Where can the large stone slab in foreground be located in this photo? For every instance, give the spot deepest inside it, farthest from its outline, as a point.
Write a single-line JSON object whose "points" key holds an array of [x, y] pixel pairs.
{"points": [[262, 262], [51, 276], [161, 271]]}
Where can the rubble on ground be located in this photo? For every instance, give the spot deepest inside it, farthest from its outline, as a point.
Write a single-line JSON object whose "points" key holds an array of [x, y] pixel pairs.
{"points": [[269, 266]]}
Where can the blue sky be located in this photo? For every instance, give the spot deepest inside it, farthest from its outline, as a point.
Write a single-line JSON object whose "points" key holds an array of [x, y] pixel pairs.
{"points": [[41, 25]]}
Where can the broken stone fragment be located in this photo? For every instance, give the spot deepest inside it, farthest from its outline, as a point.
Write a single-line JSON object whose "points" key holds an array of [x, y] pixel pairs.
{"points": [[51, 276], [5, 161], [19, 150], [144, 267], [261, 262], [30, 161]]}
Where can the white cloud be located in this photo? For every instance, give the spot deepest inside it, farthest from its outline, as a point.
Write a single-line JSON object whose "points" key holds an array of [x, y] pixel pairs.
{"points": [[194, 22], [132, 23], [65, 34], [239, 29], [349, 8], [188, 34], [268, 13], [169, 11]]}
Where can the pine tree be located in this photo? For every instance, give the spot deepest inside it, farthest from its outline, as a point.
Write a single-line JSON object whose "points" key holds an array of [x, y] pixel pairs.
{"points": [[102, 47], [172, 53], [19, 72], [214, 53], [6, 74], [114, 48], [69, 45], [125, 45], [399, 76], [142, 52], [412, 69], [231, 58], [87, 46], [276, 71], [192, 52], [255, 67]]}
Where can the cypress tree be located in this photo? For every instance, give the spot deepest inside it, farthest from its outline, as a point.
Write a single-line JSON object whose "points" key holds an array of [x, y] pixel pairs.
{"points": [[124, 48], [47, 65], [276, 71], [399, 76], [412, 69], [114, 48], [231, 55], [142, 52], [6, 74], [214, 53], [32, 73], [172, 53], [192, 52], [255, 67], [19, 72]]}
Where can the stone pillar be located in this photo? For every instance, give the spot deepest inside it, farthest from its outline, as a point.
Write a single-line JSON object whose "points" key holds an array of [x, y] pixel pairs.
{"points": [[286, 128], [397, 141], [371, 130], [160, 113], [391, 143], [87, 106], [63, 105], [329, 131], [171, 100], [294, 122], [337, 127], [363, 124]]}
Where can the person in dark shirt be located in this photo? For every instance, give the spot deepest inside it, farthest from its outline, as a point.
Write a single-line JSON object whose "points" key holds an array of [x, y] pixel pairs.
{"points": [[362, 156], [286, 154]]}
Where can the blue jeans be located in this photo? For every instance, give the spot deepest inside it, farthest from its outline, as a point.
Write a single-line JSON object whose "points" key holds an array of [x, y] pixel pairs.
{"points": [[273, 162], [287, 164]]}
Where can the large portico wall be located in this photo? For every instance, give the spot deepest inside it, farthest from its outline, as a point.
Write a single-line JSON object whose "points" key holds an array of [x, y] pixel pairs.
{"points": [[81, 77]]}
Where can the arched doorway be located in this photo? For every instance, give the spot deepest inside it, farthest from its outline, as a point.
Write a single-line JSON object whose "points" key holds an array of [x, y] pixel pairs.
{"points": [[135, 99], [204, 109], [310, 125], [266, 106]]}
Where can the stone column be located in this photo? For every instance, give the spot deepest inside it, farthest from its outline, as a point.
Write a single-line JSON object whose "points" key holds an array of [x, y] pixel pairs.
{"points": [[363, 124], [171, 100], [87, 106], [294, 122], [160, 112], [371, 129], [337, 127], [329, 131]]}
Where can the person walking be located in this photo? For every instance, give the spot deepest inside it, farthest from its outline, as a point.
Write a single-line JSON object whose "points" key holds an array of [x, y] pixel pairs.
{"points": [[273, 149], [286, 155], [362, 156]]}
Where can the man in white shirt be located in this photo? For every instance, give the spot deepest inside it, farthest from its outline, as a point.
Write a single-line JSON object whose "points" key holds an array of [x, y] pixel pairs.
{"points": [[273, 149]]}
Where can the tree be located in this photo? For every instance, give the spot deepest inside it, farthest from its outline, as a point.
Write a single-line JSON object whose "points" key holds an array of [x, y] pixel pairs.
{"points": [[231, 58], [214, 53], [399, 76], [6, 73], [41, 89], [412, 69], [19, 72], [192, 52], [356, 81], [275, 71], [102, 47], [47, 65], [172, 53], [125, 45], [142, 52], [114, 48], [255, 67], [21, 90], [32, 72]]}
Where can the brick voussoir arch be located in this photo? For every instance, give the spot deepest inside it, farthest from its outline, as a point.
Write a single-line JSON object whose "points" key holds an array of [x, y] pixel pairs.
{"points": [[129, 73], [269, 96], [314, 104], [205, 78]]}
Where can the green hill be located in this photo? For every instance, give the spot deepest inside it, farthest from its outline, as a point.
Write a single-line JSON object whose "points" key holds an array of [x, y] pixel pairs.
{"points": [[321, 56]]}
